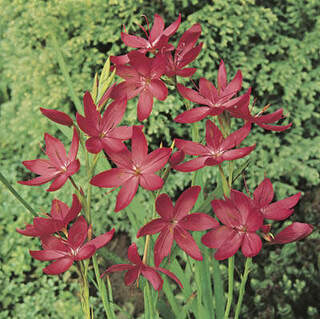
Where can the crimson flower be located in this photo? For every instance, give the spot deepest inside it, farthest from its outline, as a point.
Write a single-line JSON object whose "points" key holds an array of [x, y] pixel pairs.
{"points": [[59, 167], [215, 99], [289, 234], [174, 223], [133, 169], [216, 150], [241, 110], [103, 131], [66, 251], [57, 116], [142, 77], [241, 220], [61, 215], [279, 210], [157, 37], [185, 53], [138, 268]]}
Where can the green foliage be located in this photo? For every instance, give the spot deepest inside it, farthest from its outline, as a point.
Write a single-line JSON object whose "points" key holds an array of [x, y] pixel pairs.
{"points": [[276, 46]]}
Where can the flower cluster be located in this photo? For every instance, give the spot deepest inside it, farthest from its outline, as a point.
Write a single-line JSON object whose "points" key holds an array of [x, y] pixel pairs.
{"points": [[147, 72]]}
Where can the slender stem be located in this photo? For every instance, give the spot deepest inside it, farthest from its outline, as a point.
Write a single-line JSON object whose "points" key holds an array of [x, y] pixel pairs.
{"points": [[16, 195], [230, 286], [85, 293], [102, 289], [218, 290], [242, 286]]}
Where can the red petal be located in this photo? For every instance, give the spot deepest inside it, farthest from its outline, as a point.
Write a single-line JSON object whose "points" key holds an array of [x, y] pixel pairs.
{"points": [[208, 90], [133, 255], [111, 178], [214, 137], [293, 232], [59, 266], [173, 27], [192, 165], [193, 115], [85, 252], [190, 56], [222, 76], [74, 210], [157, 28], [151, 181], [237, 153], [276, 128], [235, 138], [151, 228], [113, 114], [131, 276], [186, 201], [74, 145], [186, 72], [187, 243], [171, 275], [55, 150], [216, 237], [40, 166], [78, 233], [263, 194], [235, 85], [87, 126], [251, 245], [57, 116], [37, 181], [156, 160], [112, 145], [226, 212], [153, 277], [158, 89], [126, 193], [101, 240], [145, 104], [192, 95], [281, 209], [119, 267], [191, 148], [139, 146], [30, 230], [164, 206], [134, 41], [229, 247], [59, 209], [94, 145], [58, 182], [47, 254], [198, 222], [163, 246]]}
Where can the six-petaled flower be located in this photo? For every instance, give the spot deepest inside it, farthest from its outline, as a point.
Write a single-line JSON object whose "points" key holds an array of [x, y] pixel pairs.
{"points": [[138, 267], [174, 224]]}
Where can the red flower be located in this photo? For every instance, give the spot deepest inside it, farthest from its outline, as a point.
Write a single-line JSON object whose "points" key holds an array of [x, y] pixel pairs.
{"points": [[216, 150], [61, 216], [241, 110], [279, 210], [133, 169], [217, 100], [174, 223], [240, 221], [185, 53], [291, 233], [157, 37], [139, 268], [103, 131], [66, 251], [142, 77], [59, 167], [57, 116]]}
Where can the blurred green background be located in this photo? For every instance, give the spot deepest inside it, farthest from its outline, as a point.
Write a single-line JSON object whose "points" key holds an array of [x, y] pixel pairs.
{"points": [[275, 44]]}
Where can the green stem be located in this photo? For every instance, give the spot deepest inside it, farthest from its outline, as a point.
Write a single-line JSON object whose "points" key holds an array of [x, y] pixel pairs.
{"points": [[218, 290], [16, 195], [85, 293], [230, 286], [242, 286], [102, 290]]}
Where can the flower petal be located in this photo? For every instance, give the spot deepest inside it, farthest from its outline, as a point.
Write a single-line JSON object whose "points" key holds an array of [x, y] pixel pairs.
{"points": [[158, 89], [126, 193], [139, 146], [133, 255], [263, 194], [155, 160], [85, 252], [293, 232], [192, 165], [186, 201], [171, 275], [101, 240], [114, 177], [59, 266], [187, 243], [193, 115], [216, 237], [58, 182], [151, 228], [145, 104], [78, 233], [153, 277], [251, 245], [164, 206], [163, 246], [151, 181], [198, 222], [47, 254], [57, 116], [229, 247]]}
